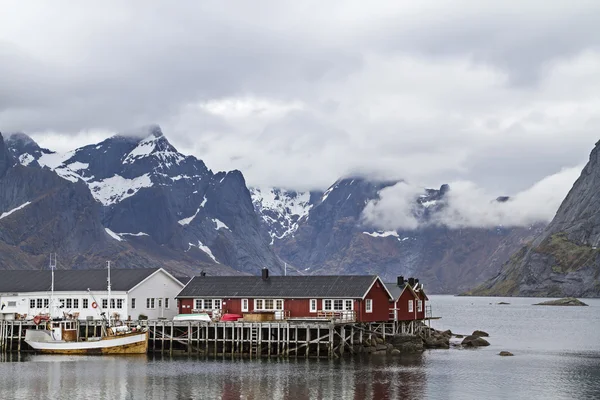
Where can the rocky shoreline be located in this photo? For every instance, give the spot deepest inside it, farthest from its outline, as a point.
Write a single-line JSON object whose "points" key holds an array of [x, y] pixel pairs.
{"points": [[429, 338]]}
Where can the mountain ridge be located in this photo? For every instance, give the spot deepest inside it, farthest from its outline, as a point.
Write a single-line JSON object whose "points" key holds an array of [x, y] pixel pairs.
{"points": [[563, 260], [143, 188]]}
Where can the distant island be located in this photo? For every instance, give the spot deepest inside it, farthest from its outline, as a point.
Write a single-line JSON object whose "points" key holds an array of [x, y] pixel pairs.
{"points": [[566, 301]]}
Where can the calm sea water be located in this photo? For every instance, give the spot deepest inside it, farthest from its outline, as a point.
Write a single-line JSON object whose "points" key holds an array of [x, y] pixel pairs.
{"points": [[557, 356]]}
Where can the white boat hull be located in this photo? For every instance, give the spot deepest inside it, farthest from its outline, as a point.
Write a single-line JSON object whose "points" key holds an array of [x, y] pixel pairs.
{"points": [[192, 317], [132, 343]]}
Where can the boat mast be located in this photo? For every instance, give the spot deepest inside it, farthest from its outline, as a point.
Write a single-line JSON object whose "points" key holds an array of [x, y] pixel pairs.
{"points": [[108, 281], [52, 268]]}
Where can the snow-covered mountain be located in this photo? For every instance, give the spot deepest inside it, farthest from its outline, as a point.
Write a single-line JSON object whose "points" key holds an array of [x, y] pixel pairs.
{"points": [[281, 211], [328, 235], [151, 195], [134, 199]]}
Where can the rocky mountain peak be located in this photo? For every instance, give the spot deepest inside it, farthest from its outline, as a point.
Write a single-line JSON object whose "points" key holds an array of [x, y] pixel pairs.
{"points": [[6, 159], [22, 140], [564, 259]]}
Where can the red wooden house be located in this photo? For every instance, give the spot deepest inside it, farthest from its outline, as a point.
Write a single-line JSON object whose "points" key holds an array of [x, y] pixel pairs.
{"points": [[350, 298], [408, 300]]}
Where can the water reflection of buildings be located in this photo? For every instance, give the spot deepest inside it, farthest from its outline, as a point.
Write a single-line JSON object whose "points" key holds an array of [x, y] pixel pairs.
{"points": [[193, 378], [358, 379]]}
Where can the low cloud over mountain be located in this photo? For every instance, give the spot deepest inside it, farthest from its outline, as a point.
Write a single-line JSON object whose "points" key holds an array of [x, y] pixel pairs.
{"points": [[467, 205]]}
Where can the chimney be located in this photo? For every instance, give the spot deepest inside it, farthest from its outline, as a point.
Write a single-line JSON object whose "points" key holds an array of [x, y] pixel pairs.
{"points": [[411, 282], [265, 274], [202, 273], [401, 281]]}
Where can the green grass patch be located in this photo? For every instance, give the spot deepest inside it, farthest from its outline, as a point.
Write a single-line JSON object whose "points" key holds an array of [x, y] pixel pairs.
{"points": [[569, 256]]}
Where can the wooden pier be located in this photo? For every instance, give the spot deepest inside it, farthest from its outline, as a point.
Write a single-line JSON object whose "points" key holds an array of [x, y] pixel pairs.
{"points": [[285, 338]]}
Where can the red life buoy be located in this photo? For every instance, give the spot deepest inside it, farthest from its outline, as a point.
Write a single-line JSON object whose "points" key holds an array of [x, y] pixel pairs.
{"points": [[94, 305]]}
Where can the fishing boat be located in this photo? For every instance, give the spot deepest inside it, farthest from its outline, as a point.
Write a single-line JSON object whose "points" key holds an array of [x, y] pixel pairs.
{"points": [[61, 335]]}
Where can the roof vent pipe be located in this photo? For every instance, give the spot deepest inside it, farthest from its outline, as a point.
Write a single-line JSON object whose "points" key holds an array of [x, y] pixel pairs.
{"points": [[265, 274]]}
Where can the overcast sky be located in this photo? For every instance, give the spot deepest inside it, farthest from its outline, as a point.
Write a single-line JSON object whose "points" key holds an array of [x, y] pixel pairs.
{"points": [[297, 94]]}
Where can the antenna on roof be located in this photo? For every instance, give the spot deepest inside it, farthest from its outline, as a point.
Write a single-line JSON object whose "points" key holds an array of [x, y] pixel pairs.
{"points": [[285, 269]]}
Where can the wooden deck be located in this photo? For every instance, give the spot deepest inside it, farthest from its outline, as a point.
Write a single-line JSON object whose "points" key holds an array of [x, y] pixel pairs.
{"points": [[285, 338]]}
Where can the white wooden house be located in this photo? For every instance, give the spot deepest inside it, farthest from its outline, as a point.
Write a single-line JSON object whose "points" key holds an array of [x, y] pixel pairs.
{"points": [[83, 293]]}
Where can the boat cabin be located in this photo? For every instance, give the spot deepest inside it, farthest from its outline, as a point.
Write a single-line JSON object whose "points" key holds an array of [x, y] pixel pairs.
{"points": [[65, 330]]}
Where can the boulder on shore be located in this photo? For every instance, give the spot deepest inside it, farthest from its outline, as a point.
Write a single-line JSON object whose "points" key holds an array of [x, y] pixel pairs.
{"points": [[566, 301], [437, 342], [480, 333], [505, 354], [474, 341], [407, 343]]}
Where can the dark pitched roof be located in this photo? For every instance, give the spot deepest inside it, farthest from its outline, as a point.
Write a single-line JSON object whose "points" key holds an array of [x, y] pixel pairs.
{"points": [[314, 286], [395, 290], [182, 279], [71, 280]]}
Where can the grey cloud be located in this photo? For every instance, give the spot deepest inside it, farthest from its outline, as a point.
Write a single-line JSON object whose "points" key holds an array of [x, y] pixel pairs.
{"points": [[467, 205], [431, 92]]}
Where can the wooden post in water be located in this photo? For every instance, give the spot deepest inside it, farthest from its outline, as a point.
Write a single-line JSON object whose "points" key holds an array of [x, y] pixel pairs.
{"points": [[171, 340], [330, 344], [154, 335], [189, 335], [287, 339], [12, 334], [20, 331], [319, 341], [162, 336], [307, 341]]}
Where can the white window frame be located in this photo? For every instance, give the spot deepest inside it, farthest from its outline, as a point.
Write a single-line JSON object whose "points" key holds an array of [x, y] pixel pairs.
{"points": [[351, 303], [261, 304], [31, 303], [411, 307], [150, 303], [75, 303], [313, 305], [330, 305], [208, 304], [419, 305], [46, 303], [119, 303], [69, 303], [104, 304], [133, 303], [85, 303], [369, 305], [39, 303], [245, 305], [166, 303]]}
